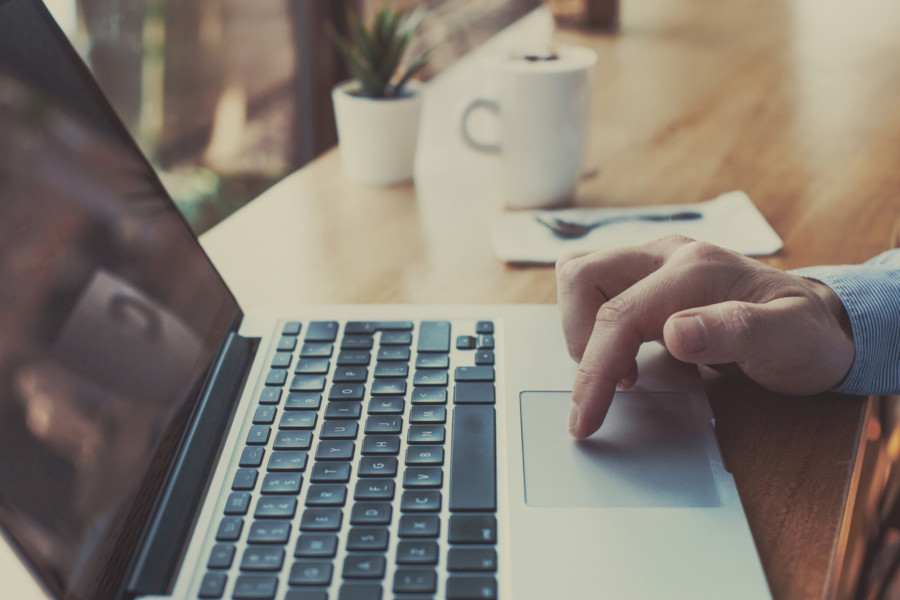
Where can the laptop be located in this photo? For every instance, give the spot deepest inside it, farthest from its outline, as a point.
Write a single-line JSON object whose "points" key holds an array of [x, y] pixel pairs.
{"points": [[157, 443]]}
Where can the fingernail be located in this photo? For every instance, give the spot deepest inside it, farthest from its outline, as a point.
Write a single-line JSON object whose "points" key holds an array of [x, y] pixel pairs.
{"points": [[573, 417], [692, 333]]}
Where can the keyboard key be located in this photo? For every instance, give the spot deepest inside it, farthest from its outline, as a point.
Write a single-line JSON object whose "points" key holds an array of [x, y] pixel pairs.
{"points": [[316, 350], [484, 327], [261, 558], [484, 357], [287, 343], [334, 472], [430, 378], [473, 529], [221, 556], [276, 377], [258, 435], [347, 391], [373, 326], [303, 401], [367, 539], [388, 387], [425, 434], [316, 545], [474, 374], [391, 369], [419, 526], [426, 395], [293, 440], [276, 508], [354, 357], [420, 501], [471, 588], [270, 395], [354, 374], [371, 513], [269, 532], [252, 456], [310, 573], [428, 414], [238, 503], [326, 495], [357, 342], [425, 455], [313, 366], [396, 338], [360, 591], [472, 560], [364, 566], [387, 405], [292, 328], [421, 477], [264, 415], [212, 585], [281, 483], [255, 587], [419, 552], [471, 392], [229, 529], [321, 519], [281, 360], [378, 466], [298, 420], [302, 594], [288, 460], [335, 450], [343, 410], [415, 581], [339, 430], [473, 463], [244, 479], [388, 445], [374, 489], [384, 424], [393, 353], [465, 342], [321, 331], [308, 383], [434, 336], [433, 361], [485, 342]]}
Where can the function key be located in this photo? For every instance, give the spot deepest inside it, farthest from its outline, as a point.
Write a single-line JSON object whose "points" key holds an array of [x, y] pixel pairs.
{"points": [[221, 557], [287, 343], [229, 529], [321, 331], [373, 326], [291, 328], [465, 342], [281, 360], [270, 395], [212, 586], [484, 327], [434, 336], [258, 435], [252, 456], [276, 377], [238, 503]]}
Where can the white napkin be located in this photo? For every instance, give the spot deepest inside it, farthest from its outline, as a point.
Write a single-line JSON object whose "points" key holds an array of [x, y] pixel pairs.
{"points": [[731, 221]]}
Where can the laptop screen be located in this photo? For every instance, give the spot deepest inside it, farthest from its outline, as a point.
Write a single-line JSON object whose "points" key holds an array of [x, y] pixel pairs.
{"points": [[110, 316]]}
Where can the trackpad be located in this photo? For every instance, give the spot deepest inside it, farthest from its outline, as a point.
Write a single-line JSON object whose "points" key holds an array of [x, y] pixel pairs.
{"points": [[650, 452]]}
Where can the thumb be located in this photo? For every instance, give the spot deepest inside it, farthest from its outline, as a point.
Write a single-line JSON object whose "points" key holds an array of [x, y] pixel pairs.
{"points": [[722, 333]]}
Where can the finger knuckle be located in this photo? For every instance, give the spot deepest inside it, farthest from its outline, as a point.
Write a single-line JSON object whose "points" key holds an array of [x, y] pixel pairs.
{"points": [[742, 323], [569, 271], [613, 310]]}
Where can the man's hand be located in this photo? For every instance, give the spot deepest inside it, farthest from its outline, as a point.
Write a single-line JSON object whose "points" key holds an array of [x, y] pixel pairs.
{"points": [[708, 305]]}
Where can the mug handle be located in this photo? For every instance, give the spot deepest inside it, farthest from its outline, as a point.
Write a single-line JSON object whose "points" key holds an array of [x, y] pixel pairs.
{"points": [[464, 125]]}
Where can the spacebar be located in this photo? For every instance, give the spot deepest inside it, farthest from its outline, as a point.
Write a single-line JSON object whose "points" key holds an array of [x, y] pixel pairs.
{"points": [[473, 460]]}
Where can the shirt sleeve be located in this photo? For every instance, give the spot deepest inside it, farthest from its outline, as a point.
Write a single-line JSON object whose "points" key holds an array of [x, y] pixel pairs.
{"points": [[871, 294]]}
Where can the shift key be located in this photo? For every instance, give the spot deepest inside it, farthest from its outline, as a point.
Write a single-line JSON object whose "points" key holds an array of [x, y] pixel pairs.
{"points": [[473, 461]]}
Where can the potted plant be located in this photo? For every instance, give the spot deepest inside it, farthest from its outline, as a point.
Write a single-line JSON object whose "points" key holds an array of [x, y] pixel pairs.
{"points": [[377, 113]]}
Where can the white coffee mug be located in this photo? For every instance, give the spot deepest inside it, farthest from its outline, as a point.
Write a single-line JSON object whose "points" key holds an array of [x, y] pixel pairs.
{"points": [[542, 102]]}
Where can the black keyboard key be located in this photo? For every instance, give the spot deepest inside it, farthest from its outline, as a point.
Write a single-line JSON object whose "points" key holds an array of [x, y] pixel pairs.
{"points": [[474, 374], [374, 489], [343, 410], [339, 430], [316, 545], [387, 405], [331, 472], [326, 494], [484, 327], [347, 391], [288, 460], [435, 395], [276, 377], [308, 383], [313, 366], [393, 353], [244, 479], [221, 556], [371, 513], [419, 552], [425, 415], [425, 434], [473, 529], [316, 350], [378, 466], [357, 342], [252, 456], [321, 519], [281, 483], [373, 326], [421, 477], [264, 415], [483, 560], [354, 357], [430, 378], [471, 588], [321, 331], [391, 369], [270, 395], [384, 445], [420, 501], [396, 338], [353, 374], [433, 361], [305, 572], [425, 456], [269, 532], [367, 539], [301, 594], [229, 529], [255, 587], [485, 342], [360, 591], [287, 343], [364, 566], [262, 558], [298, 420], [465, 342], [384, 424], [415, 581], [276, 508], [213, 585], [282, 360], [303, 401], [335, 450], [388, 387], [258, 435], [419, 526], [434, 336], [293, 440], [484, 358], [473, 392], [292, 328], [238, 503], [473, 463]]}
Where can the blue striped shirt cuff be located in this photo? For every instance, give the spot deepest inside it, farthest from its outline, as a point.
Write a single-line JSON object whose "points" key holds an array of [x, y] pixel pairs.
{"points": [[871, 295]]}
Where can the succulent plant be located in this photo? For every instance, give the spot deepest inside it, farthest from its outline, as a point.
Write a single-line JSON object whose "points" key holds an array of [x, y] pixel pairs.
{"points": [[375, 54]]}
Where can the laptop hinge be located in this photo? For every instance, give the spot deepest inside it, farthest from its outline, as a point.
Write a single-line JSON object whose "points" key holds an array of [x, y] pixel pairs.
{"points": [[164, 542]]}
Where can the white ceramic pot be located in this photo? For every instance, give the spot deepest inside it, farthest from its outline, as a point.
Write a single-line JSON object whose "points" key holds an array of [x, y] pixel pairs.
{"points": [[377, 136]]}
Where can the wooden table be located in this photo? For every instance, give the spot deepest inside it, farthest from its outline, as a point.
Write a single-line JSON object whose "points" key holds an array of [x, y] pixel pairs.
{"points": [[793, 101]]}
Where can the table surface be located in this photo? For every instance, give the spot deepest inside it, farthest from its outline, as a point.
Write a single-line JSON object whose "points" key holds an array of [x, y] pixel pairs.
{"points": [[792, 101]]}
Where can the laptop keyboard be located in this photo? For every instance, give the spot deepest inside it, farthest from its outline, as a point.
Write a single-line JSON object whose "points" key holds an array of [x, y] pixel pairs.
{"points": [[369, 471]]}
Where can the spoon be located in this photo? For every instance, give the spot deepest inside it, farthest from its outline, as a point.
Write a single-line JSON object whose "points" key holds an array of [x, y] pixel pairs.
{"points": [[572, 229]]}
